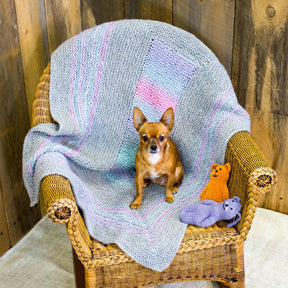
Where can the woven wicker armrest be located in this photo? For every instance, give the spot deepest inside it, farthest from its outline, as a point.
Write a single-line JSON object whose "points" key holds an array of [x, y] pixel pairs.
{"points": [[250, 175], [252, 161], [58, 199], [62, 209]]}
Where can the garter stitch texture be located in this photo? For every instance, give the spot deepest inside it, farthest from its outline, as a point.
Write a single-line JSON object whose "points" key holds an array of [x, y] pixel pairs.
{"points": [[97, 78]]}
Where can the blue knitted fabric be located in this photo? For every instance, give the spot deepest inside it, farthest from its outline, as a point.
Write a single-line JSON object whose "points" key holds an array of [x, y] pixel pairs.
{"points": [[97, 78]]}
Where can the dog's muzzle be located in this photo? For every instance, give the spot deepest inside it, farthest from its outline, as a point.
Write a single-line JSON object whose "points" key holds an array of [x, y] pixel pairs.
{"points": [[153, 148]]}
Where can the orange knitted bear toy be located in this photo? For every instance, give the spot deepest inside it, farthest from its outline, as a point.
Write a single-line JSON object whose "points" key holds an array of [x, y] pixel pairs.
{"points": [[217, 189]]}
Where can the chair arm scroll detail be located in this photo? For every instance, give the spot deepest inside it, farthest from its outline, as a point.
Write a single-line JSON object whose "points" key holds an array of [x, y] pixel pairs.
{"points": [[62, 210], [263, 179]]}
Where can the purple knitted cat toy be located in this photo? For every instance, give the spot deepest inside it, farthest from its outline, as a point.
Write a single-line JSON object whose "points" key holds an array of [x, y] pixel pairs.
{"points": [[208, 212]]}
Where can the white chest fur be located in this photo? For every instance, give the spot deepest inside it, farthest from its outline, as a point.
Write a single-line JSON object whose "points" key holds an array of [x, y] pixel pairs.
{"points": [[154, 175], [154, 158]]}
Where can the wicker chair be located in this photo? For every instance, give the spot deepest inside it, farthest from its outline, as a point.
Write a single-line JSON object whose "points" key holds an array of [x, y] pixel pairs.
{"points": [[212, 253]]}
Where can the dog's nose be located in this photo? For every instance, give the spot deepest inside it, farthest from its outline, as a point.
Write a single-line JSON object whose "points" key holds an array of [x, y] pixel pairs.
{"points": [[153, 147]]}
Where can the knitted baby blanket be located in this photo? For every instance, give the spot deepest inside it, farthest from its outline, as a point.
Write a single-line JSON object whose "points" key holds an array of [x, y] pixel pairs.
{"points": [[97, 78]]}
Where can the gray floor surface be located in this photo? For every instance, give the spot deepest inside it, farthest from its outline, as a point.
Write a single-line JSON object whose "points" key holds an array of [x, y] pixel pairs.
{"points": [[43, 257]]}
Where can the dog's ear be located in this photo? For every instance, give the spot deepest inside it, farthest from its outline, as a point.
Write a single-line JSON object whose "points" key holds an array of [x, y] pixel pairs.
{"points": [[138, 118], [168, 118]]}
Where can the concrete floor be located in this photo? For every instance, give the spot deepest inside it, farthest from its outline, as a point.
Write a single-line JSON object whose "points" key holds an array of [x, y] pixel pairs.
{"points": [[43, 257]]}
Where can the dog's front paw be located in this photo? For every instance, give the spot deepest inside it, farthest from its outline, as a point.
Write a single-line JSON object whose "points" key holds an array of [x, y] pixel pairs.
{"points": [[175, 189], [169, 199], [135, 205]]}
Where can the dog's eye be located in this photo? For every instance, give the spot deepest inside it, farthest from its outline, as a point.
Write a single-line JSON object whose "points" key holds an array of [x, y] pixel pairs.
{"points": [[161, 138], [145, 138]]}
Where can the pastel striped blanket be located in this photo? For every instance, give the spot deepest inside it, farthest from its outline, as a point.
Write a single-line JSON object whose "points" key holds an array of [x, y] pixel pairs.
{"points": [[97, 78]]}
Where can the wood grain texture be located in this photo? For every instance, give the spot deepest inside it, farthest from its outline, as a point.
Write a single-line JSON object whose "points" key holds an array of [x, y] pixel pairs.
{"points": [[63, 20], [100, 11], [87, 17], [160, 10], [210, 21], [33, 43], [14, 124], [260, 64], [4, 231]]}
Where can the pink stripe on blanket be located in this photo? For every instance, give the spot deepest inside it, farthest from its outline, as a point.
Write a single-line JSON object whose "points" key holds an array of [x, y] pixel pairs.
{"points": [[153, 95]]}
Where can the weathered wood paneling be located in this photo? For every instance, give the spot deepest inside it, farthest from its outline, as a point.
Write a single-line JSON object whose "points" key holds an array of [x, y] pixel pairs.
{"points": [[260, 62], [63, 20], [33, 43], [98, 12], [14, 124], [160, 10], [87, 17], [210, 21], [4, 231]]}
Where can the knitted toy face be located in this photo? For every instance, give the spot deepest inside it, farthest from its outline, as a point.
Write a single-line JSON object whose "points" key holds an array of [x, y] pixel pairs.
{"points": [[221, 172], [230, 208], [208, 212], [217, 189]]}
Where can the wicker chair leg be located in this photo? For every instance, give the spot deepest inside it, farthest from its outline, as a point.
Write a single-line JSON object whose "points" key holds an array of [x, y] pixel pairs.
{"points": [[238, 284], [238, 280], [84, 278], [79, 271], [90, 279], [220, 284]]}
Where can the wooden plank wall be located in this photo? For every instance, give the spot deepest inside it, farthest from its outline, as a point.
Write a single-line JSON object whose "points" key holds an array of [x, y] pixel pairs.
{"points": [[259, 74], [249, 37], [14, 124]]}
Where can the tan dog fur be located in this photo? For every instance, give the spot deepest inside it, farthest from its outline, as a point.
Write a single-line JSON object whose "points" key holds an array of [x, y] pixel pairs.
{"points": [[157, 159]]}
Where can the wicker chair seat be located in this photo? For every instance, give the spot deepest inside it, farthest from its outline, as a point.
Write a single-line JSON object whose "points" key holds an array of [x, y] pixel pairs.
{"points": [[195, 238], [198, 258]]}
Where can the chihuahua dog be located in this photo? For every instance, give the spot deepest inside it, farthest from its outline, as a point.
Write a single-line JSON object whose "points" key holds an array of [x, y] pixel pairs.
{"points": [[157, 159]]}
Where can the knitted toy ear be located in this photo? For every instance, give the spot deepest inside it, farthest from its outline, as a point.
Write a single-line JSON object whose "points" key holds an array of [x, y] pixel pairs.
{"points": [[237, 199], [228, 167], [214, 166], [238, 218]]}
